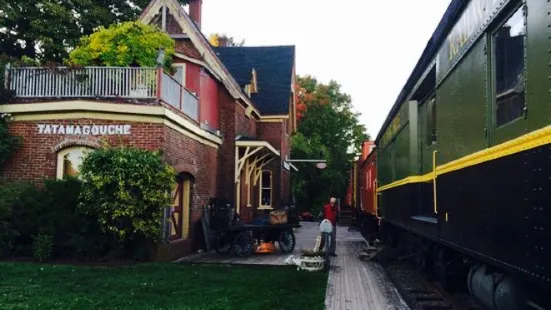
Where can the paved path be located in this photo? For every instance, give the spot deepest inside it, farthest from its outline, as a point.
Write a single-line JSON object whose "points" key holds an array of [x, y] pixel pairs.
{"points": [[355, 284]]}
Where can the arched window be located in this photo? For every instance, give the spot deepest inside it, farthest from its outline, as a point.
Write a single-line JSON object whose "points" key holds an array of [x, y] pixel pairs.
{"points": [[69, 160]]}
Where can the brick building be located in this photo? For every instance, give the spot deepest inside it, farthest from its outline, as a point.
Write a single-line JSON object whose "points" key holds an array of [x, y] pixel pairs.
{"points": [[223, 121]]}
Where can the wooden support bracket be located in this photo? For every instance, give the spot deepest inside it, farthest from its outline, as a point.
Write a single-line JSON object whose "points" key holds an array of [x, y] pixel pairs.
{"points": [[240, 162]]}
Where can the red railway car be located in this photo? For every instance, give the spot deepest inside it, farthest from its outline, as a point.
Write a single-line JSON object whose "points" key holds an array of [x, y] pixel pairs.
{"points": [[362, 190]]}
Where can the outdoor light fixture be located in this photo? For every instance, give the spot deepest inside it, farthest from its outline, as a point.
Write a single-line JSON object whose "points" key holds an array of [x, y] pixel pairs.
{"points": [[160, 57], [321, 165]]}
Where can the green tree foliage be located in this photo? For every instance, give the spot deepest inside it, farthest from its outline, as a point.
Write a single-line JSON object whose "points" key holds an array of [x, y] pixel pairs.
{"points": [[8, 143], [329, 127], [126, 189], [126, 44], [46, 30]]}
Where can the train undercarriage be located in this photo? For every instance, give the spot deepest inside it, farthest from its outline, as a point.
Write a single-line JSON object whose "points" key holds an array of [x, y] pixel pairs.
{"points": [[455, 271]]}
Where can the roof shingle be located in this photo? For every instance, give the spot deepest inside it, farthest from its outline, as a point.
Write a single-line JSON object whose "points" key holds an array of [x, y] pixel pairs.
{"points": [[274, 71]]}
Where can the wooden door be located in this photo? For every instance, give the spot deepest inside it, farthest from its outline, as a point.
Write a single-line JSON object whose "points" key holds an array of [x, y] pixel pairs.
{"points": [[176, 214]]}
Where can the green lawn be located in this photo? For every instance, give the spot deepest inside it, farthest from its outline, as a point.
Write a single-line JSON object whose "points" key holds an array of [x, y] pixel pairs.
{"points": [[159, 286]]}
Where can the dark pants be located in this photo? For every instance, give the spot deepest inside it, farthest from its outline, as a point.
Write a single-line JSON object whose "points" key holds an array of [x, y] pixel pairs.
{"points": [[333, 244]]}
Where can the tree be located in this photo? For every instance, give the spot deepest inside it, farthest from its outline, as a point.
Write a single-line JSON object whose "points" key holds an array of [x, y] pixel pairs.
{"points": [[126, 189], [329, 127], [126, 44], [8, 143], [214, 40], [46, 30]]}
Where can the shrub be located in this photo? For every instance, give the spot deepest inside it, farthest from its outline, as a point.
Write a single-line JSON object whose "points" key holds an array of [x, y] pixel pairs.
{"points": [[26, 212], [69, 226], [9, 193], [8, 142], [126, 189], [126, 44], [27, 216], [43, 247]]}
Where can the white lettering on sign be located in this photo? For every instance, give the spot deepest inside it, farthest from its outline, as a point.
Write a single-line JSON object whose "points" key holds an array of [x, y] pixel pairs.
{"points": [[95, 130]]}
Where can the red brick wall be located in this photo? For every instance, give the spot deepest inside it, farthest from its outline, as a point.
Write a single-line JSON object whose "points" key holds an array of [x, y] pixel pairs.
{"points": [[36, 160], [243, 125], [275, 134], [200, 161], [233, 122], [226, 155]]}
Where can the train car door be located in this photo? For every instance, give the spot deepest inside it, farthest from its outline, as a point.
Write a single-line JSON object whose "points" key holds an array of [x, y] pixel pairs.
{"points": [[427, 138]]}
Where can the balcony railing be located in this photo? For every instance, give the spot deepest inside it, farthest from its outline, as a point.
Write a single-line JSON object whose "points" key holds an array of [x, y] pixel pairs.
{"points": [[102, 82]]}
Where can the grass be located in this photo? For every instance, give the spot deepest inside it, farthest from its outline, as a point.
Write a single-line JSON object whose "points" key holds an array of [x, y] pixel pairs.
{"points": [[159, 286]]}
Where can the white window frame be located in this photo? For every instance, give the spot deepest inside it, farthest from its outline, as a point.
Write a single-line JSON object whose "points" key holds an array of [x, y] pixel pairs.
{"points": [[183, 66], [262, 187], [61, 155]]}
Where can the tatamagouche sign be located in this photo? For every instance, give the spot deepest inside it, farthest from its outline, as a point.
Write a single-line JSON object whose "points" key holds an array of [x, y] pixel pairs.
{"points": [[95, 130]]}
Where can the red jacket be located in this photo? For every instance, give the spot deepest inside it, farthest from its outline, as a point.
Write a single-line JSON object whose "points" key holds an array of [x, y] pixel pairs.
{"points": [[330, 213]]}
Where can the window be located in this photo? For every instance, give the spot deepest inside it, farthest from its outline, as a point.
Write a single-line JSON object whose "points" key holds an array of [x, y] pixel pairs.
{"points": [[69, 161], [266, 189], [180, 73], [509, 83], [431, 122]]}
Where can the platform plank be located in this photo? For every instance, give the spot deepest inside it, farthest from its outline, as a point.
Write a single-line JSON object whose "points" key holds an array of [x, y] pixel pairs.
{"points": [[305, 238], [355, 284], [352, 283]]}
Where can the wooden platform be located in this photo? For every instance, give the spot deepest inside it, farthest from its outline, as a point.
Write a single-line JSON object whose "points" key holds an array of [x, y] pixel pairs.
{"points": [[305, 238], [352, 283], [355, 284]]}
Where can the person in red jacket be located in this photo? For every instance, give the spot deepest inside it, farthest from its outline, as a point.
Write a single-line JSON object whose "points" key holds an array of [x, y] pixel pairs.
{"points": [[330, 211]]}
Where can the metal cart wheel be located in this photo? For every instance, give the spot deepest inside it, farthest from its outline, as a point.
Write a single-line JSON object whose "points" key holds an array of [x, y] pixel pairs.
{"points": [[287, 241], [243, 244], [223, 243]]}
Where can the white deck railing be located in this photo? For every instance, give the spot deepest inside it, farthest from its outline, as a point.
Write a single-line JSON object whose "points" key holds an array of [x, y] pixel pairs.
{"points": [[179, 97], [101, 82]]}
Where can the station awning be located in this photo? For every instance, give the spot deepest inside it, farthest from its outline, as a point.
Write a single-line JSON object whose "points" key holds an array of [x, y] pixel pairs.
{"points": [[252, 155]]}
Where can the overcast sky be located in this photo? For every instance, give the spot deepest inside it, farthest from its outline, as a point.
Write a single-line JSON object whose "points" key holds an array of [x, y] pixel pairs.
{"points": [[369, 47]]}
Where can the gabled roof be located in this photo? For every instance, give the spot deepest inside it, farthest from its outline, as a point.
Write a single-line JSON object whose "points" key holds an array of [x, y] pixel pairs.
{"points": [[200, 42], [274, 73]]}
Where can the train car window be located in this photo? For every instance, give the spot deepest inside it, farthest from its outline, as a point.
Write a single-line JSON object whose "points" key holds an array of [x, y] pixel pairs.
{"points": [[509, 68], [431, 122]]}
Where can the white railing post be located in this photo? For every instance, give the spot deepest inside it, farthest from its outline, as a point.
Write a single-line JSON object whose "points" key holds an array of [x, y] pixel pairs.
{"points": [[106, 82]]}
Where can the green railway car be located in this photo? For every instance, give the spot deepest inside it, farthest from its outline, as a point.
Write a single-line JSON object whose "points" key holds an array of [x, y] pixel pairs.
{"points": [[464, 156]]}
